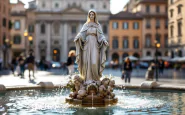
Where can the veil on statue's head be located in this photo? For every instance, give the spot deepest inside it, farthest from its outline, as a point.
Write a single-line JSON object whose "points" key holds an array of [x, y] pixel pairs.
{"points": [[96, 18]]}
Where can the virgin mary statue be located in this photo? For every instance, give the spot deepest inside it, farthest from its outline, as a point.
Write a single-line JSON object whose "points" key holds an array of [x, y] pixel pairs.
{"points": [[90, 49]]}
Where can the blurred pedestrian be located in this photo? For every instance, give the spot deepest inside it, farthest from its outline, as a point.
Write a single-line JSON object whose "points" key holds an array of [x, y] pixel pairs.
{"points": [[161, 67], [13, 65], [21, 65], [70, 62], [31, 61], [127, 69]]}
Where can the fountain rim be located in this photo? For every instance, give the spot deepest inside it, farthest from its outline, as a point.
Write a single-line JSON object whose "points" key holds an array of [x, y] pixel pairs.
{"points": [[123, 87]]}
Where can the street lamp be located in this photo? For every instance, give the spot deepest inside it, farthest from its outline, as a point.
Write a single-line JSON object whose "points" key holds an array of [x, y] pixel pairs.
{"points": [[25, 35], [157, 45], [30, 38]]}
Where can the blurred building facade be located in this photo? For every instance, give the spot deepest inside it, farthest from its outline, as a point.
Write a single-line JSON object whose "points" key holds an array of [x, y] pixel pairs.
{"points": [[5, 25], [176, 27], [58, 22], [154, 24], [125, 35], [18, 19]]}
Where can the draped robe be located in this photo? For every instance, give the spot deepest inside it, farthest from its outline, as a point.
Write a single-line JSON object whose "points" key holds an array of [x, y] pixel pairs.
{"points": [[90, 52]]}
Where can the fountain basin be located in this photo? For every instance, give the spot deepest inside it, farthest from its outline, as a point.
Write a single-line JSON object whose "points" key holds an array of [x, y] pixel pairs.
{"points": [[97, 101]]}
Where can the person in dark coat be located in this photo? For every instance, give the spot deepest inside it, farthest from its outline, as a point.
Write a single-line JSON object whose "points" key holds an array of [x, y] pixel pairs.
{"points": [[30, 61], [21, 64], [161, 67], [127, 69]]}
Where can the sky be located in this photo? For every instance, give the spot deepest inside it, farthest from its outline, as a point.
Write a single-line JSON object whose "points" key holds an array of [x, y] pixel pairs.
{"points": [[116, 5]]}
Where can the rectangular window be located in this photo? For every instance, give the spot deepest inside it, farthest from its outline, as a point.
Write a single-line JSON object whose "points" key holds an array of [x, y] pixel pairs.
{"points": [[148, 8], [115, 42], [166, 41], [148, 23], [171, 13], [148, 41], [157, 23], [115, 25], [125, 43], [31, 28], [73, 29], [4, 22], [157, 9], [166, 24], [171, 31], [17, 25], [136, 25], [104, 29], [179, 9], [125, 25], [179, 29], [158, 38], [171, 1]]}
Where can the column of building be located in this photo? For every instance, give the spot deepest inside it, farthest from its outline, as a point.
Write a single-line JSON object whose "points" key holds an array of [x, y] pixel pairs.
{"points": [[48, 38]]}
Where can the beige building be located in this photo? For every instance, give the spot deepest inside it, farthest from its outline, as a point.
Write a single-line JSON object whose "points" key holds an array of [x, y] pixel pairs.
{"points": [[154, 24], [18, 19], [5, 40], [57, 22], [176, 27]]}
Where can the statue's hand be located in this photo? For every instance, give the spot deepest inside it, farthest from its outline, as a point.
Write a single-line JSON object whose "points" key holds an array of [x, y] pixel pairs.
{"points": [[75, 39], [106, 43]]}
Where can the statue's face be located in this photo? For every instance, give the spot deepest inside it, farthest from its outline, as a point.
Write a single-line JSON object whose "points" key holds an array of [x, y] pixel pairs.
{"points": [[91, 15]]}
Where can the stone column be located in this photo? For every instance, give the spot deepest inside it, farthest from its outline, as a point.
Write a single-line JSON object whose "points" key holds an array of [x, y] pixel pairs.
{"points": [[65, 42], [48, 38], [61, 43], [37, 54]]}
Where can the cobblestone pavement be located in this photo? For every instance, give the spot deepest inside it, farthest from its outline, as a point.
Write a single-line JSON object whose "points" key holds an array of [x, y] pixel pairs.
{"points": [[170, 77]]}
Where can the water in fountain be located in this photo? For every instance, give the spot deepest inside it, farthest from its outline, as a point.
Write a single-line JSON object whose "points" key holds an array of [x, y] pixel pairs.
{"points": [[130, 102]]}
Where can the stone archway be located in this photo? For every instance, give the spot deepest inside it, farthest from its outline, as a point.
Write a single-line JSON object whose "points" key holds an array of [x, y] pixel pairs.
{"points": [[136, 55], [115, 57], [124, 56]]}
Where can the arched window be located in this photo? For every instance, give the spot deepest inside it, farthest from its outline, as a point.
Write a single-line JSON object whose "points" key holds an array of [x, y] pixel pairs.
{"points": [[125, 42], [42, 29], [17, 39], [158, 53], [136, 43], [56, 28], [124, 55], [115, 57], [136, 55], [115, 42]]}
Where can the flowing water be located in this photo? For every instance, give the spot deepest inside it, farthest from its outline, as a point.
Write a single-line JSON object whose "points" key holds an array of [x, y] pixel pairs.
{"points": [[36, 102]]}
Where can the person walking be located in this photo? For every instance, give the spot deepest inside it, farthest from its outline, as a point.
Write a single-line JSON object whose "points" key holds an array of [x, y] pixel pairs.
{"points": [[70, 63], [30, 61], [21, 65], [13, 65], [127, 69], [161, 67]]}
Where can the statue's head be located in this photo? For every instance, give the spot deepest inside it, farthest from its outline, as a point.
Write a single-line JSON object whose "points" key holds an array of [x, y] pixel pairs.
{"points": [[92, 15]]}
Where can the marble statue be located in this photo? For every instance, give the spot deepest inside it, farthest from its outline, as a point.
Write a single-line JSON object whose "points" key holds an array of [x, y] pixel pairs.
{"points": [[87, 88], [90, 49]]}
